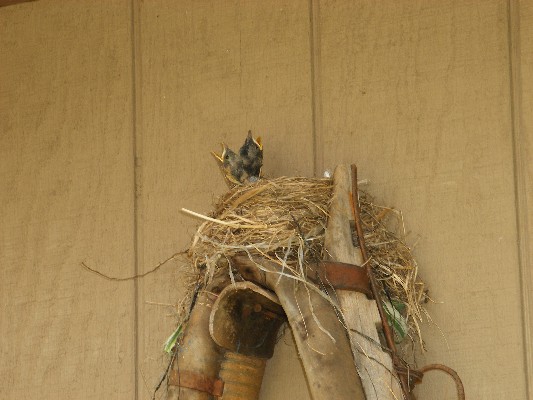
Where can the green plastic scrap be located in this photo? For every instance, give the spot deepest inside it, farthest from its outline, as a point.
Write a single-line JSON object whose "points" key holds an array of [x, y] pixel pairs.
{"points": [[396, 320], [172, 339]]}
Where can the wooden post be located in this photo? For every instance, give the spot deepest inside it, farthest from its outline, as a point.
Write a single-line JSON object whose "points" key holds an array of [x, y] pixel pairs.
{"points": [[361, 315]]}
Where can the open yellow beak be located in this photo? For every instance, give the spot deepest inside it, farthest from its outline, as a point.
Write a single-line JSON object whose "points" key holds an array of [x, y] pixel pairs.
{"points": [[259, 142], [220, 157]]}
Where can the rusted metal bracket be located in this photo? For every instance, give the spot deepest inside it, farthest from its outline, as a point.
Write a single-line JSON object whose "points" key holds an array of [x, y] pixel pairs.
{"points": [[342, 276], [195, 381]]}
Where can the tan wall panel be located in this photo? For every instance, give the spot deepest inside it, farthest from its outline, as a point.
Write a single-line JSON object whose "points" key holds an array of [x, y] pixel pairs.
{"points": [[66, 195], [211, 71], [418, 94], [523, 25]]}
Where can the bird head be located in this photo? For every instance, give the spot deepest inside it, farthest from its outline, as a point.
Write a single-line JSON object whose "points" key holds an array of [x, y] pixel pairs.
{"points": [[230, 163], [250, 141], [251, 154]]}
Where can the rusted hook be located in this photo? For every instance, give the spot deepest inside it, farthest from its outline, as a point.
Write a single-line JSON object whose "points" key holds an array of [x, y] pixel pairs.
{"points": [[455, 376]]}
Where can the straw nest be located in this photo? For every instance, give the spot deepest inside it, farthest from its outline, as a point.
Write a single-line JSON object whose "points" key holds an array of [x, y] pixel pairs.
{"points": [[393, 263], [285, 219]]}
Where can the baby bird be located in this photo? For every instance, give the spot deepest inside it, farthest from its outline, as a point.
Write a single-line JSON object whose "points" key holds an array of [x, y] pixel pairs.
{"points": [[251, 154], [231, 165]]}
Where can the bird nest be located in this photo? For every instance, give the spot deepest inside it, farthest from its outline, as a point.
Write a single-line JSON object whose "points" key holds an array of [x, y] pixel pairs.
{"points": [[285, 219]]}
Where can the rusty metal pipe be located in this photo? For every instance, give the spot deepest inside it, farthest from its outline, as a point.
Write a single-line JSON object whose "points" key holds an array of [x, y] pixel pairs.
{"points": [[194, 373], [242, 376], [245, 321]]}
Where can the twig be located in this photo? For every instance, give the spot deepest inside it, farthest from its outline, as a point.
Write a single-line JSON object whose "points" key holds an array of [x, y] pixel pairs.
{"points": [[165, 374], [129, 278], [225, 223]]}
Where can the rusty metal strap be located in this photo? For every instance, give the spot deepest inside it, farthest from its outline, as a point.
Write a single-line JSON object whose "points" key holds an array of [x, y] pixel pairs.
{"points": [[196, 381], [344, 276]]}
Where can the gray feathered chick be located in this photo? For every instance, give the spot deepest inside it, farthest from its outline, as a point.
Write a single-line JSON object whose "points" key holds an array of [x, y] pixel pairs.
{"points": [[231, 165], [251, 154]]}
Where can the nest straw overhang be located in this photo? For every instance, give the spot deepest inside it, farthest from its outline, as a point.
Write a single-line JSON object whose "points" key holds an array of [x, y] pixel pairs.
{"points": [[284, 219], [393, 263]]}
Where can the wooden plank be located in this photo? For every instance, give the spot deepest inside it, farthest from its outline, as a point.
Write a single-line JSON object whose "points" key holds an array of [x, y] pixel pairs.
{"points": [[521, 31], [417, 94], [12, 2], [211, 71], [361, 315], [66, 193]]}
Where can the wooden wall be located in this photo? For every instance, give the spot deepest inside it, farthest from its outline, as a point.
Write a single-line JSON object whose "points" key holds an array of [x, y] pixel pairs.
{"points": [[108, 111]]}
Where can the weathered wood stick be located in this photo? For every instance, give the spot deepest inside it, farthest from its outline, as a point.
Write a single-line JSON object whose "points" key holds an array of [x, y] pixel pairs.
{"points": [[320, 337], [361, 315]]}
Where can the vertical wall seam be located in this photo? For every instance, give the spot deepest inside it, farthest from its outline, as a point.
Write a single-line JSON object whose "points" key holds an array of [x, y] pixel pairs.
{"points": [[136, 139], [520, 186], [316, 99]]}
